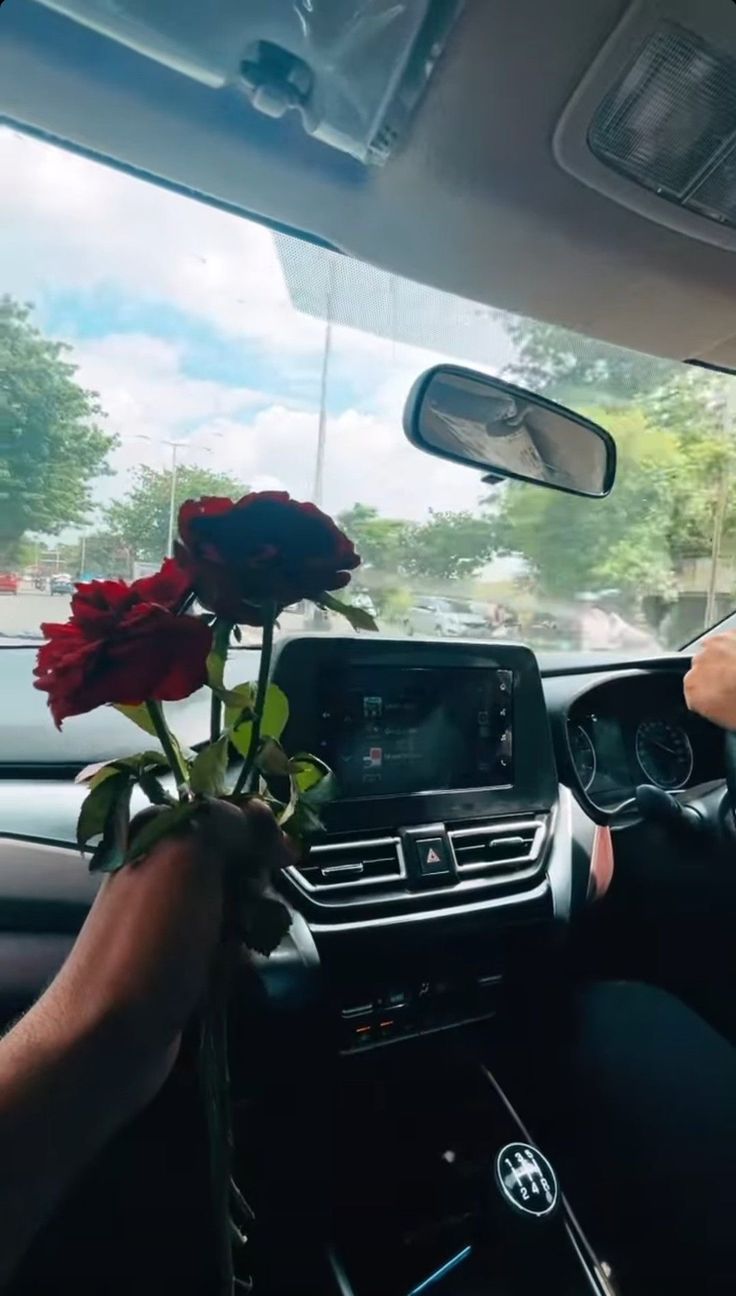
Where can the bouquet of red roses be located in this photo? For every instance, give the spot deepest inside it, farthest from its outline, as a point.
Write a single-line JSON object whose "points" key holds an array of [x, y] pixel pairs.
{"points": [[136, 646]]}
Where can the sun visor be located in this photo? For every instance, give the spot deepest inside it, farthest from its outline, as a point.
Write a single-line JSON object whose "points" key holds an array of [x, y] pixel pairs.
{"points": [[351, 70]]}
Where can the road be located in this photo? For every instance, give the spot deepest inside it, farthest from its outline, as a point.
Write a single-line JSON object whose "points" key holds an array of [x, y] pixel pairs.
{"points": [[24, 612]]}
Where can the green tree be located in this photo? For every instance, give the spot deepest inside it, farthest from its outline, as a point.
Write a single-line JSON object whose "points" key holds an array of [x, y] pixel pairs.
{"points": [[631, 540], [449, 546], [51, 442], [380, 541], [567, 366], [685, 401], [140, 520], [98, 553]]}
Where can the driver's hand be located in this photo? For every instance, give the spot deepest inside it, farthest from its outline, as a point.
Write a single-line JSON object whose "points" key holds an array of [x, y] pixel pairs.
{"points": [[710, 684], [140, 964]]}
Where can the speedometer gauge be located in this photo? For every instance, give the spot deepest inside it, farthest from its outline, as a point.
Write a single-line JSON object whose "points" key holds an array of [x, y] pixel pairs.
{"points": [[664, 752], [583, 754]]}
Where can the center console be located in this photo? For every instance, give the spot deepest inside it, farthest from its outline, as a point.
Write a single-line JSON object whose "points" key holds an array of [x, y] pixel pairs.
{"points": [[433, 875], [432, 901]]}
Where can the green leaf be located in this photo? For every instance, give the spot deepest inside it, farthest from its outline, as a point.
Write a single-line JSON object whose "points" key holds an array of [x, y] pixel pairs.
{"points": [[283, 815], [154, 790], [303, 824], [239, 700], [160, 826], [308, 771], [141, 761], [209, 768], [97, 806], [137, 764], [138, 714], [322, 792], [272, 759], [109, 856], [238, 716], [232, 698], [218, 654], [97, 773], [273, 720], [240, 737], [275, 712], [358, 617]]}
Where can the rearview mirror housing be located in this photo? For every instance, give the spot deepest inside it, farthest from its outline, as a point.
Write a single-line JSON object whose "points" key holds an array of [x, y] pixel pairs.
{"points": [[504, 431]]}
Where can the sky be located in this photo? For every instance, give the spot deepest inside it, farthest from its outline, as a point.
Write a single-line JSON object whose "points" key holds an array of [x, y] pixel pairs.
{"points": [[180, 317]]}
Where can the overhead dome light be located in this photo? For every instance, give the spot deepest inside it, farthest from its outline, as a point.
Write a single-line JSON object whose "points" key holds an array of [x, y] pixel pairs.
{"points": [[669, 124], [353, 70]]}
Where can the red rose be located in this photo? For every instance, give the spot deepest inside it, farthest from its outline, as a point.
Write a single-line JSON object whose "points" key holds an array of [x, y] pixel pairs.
{"points": [[267, 548], [123, 643]]}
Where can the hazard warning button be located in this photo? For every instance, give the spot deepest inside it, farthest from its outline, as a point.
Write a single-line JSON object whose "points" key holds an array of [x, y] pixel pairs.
{"points": [[433, 855]]}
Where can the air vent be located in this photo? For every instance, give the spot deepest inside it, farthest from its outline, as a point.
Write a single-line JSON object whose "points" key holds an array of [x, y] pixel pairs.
{"points": [[497, 849], [373, 862]]}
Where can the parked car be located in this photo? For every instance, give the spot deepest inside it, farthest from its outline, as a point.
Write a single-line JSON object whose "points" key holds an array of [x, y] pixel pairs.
{"points": [[439, 616], [61, 584], [9, 582]]}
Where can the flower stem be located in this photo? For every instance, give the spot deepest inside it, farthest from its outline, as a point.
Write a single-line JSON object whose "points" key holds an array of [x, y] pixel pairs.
{"points": [[264, 670], [170, 746], [215, 1081], [215, 717], [218, 657]]}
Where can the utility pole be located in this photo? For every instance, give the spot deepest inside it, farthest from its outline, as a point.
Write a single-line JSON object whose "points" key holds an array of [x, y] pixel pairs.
{"points": [[721, 505], [319, 463], [82, 552]]}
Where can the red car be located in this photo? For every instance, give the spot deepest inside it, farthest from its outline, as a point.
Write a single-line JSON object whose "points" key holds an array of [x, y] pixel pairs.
{"points": [[9, 582]]}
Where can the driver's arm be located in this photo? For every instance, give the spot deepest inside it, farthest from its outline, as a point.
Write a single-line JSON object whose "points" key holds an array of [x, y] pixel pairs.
{"points": [[103, 1037], [710, 684]]}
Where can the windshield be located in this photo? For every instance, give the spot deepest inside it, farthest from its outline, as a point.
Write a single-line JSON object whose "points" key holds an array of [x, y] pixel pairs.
{"points": [[154, 348]]}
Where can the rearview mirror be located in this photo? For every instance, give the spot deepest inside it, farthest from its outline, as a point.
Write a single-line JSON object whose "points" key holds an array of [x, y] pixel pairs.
{"points": [[504, 431]]}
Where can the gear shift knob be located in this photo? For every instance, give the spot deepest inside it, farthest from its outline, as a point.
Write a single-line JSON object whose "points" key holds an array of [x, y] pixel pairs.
{"points": [[526, 1181], [522, 1232]]}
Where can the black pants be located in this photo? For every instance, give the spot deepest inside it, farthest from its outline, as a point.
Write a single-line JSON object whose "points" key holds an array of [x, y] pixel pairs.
{"points": [[634, 1097]]}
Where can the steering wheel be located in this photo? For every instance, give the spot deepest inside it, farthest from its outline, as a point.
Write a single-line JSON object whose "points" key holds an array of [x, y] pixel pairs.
{"points": [[730, 754]]}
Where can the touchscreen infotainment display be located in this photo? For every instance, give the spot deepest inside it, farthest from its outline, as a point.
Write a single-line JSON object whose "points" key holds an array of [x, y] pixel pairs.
{"points": [[388, 730]]}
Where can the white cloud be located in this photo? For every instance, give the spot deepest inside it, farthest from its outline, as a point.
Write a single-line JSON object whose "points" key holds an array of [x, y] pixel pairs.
{"points": [[365, 460], [83, 225]]}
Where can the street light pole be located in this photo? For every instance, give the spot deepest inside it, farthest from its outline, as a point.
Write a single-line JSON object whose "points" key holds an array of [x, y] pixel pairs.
{"points": [[319, 463], [172, 499], [174, 446]]}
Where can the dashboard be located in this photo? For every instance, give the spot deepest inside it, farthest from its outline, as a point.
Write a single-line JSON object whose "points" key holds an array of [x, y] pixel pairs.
{"points": [[633, 730], [470, 778]]}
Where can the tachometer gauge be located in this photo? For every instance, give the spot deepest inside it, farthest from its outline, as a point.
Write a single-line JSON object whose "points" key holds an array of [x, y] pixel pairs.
{"points": [[664, 752], [583, 754]]}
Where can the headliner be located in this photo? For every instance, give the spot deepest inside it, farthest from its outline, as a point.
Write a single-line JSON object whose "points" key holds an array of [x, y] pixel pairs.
{"points": [[473, 202]]}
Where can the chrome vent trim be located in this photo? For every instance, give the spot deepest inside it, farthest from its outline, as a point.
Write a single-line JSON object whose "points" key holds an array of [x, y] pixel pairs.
{"points": [[509, 847], [340, 866]]}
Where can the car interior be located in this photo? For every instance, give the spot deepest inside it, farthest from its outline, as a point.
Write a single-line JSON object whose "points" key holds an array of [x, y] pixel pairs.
{"points": [[406, 1117]]}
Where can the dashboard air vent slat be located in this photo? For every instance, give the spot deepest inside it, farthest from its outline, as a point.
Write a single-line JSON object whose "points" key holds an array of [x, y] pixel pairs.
{"points": [[497, 849], [373, 862]]}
